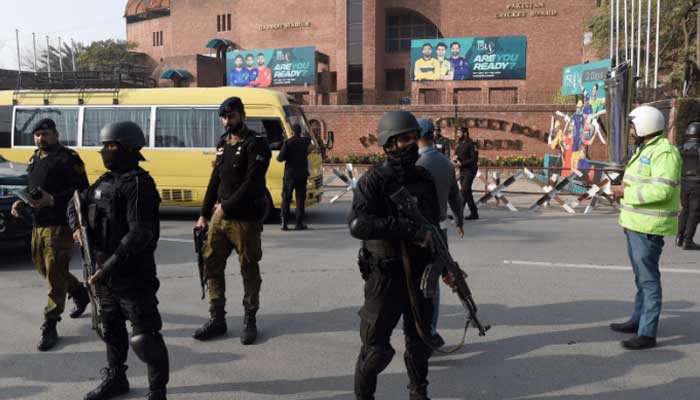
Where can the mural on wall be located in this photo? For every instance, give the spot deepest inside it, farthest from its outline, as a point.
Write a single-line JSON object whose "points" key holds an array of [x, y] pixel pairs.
{"points": [[581, 129]]}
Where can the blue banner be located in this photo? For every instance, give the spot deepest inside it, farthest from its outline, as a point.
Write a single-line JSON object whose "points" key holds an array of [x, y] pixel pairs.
{"points": [[290, 66], [588, 78], [469, 58]]}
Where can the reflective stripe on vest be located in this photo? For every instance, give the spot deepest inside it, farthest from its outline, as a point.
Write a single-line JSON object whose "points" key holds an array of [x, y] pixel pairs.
{"points": [[637, 179], [650, 212]]}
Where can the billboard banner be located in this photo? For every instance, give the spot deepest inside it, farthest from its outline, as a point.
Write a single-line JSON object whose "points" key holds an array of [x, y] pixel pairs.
{"points": [[585, 78], [469, 58], [290, 66]]}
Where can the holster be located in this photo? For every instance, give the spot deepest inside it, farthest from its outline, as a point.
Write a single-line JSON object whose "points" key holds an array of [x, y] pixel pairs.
{"points": [[380, 255]]}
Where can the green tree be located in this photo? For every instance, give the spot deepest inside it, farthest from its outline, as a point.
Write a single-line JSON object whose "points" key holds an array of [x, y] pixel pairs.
{"points": [[678, 35], [106, 55]]}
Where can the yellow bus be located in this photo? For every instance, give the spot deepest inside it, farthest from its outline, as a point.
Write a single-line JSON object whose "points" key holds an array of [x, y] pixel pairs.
{"points": [[182, 126]]}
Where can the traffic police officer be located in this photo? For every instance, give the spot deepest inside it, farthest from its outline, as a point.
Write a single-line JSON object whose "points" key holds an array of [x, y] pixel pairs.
{"points": [[375, 220], [690, 188], [468, 163], [235, 202], [56, 172], [294, 154], [124, 227], [649, 204]]}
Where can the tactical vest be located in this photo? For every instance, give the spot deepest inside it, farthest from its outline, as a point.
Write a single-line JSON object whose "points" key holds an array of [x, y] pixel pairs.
{"points": [[690, 154]]}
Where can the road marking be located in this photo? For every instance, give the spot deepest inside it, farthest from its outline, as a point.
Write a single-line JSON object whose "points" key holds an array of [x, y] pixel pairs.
{"points": [[177, 240], [593, 266]]}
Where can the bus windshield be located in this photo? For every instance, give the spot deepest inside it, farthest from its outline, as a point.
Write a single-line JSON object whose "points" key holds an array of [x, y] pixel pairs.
{"points": [[295, 115]]}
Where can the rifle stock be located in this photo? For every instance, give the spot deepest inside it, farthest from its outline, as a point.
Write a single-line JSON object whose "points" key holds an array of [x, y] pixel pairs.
{"points": [[200, 237], [407, 205]]}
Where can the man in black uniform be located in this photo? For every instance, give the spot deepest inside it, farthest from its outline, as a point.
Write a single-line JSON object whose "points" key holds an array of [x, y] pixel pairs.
{"points": [[442, 144], [123, 224], [294, 154], [467, 161], [375, 220], [690, 188], [235, 202], [55, 172]]}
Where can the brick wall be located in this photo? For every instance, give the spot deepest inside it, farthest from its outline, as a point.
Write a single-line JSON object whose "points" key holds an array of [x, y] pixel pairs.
{"points": [[516, 129]]}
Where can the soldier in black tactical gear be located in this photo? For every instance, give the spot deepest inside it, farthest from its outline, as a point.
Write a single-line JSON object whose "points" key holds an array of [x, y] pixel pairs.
{"points": [[235, 202], [294, 154], [55, 172], [123, 225], [442, 143], [375, 220], [468, 163], [690, 188]]}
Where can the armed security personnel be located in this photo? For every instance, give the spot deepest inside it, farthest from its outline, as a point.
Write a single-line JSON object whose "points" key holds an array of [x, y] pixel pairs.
{"points": [[375, 220], [650, 200], [123, 224], [294, 154], [56, 172], [442, 144], [690, 188], [236, 198], [468, 163]]}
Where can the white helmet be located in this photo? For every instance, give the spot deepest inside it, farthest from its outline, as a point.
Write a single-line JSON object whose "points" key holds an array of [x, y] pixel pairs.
{"points": [[647, 120]]}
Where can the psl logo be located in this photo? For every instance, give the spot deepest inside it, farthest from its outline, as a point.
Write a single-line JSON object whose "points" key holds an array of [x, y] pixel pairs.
{"points": [[488, 47]]}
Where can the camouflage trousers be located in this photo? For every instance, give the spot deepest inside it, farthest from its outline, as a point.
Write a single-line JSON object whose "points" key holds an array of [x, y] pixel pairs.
{"points": [[224, 237], [51, 251]]}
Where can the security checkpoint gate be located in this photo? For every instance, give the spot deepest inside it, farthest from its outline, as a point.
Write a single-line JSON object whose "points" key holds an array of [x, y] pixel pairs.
{"points": [[348, 177], [495, 190], [551, 190]]}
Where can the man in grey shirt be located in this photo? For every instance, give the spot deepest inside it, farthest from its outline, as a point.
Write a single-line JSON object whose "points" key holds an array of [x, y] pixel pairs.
{"points": [[443, 172]]}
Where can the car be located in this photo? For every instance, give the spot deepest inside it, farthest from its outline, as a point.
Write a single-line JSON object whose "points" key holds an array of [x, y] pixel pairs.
{"points": [[14, 232]]}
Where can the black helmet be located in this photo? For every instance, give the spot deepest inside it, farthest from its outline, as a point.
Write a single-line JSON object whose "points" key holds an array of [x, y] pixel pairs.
{"points": [[128, 134], [693, 130], [395, 123]]}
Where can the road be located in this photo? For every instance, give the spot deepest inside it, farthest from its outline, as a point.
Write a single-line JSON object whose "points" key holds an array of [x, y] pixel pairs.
{"points": [[549, 283]]}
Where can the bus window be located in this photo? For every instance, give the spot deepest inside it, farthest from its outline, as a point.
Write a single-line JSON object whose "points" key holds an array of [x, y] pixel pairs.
{"points": [[187, 127], [296, 116], [271, 128], [66, 119], [5, 126], [95, 119]]}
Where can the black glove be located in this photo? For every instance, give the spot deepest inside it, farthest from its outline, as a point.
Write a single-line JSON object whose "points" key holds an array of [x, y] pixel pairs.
{"points": [[363, 262]]}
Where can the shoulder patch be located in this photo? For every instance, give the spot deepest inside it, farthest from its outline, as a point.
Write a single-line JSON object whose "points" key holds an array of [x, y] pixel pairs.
{"points": [[644, 160]]}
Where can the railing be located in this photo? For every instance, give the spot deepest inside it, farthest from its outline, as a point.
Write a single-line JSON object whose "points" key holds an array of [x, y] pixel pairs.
{"points": [[85, 80]]}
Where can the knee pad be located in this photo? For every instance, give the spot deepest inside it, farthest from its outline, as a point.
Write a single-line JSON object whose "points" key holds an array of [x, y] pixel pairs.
{"points": [[376, 358], [149, 347]]}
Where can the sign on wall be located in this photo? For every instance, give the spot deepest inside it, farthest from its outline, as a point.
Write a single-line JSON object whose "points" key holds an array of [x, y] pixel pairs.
{"points": [[290, 66], [585, 77], [469, 58]]}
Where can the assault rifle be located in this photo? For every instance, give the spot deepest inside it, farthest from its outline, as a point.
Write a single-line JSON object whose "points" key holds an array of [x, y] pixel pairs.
{"points": [[443, 261], [88, 264], [200, 237]]}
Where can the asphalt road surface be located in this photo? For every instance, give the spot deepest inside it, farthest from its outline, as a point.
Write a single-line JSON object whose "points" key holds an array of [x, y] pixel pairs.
{"points": [[549, 283]]}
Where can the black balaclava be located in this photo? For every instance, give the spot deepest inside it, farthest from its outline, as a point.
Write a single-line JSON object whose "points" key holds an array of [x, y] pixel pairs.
{"points": [[119, 160], [404, 158]]}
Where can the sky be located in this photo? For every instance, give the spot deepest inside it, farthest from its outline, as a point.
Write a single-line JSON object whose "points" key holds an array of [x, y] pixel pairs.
{"points": [[81, 20]]}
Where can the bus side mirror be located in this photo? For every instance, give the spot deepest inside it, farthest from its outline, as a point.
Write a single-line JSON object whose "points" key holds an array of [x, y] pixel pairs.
{"points": [[330, 139]]}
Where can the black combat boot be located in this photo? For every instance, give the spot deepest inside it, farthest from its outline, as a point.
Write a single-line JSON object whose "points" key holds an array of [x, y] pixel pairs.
{"points": [[418, 392], [114, 383], [156, 395], [81, 299], [216, 326], [690, 245], [301, 227], [250, 330], [639, 343], [49, 335]]}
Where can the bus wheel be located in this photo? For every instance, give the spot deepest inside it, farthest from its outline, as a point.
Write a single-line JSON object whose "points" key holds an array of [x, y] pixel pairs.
{"points": [[271, 214]]}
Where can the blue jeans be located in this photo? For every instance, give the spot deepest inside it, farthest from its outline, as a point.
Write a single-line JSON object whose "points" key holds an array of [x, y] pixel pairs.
{"points": [[644, 252]]}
